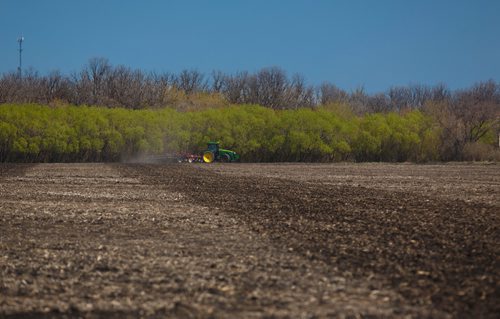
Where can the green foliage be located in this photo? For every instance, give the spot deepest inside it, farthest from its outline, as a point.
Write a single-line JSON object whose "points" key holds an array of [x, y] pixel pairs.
{"points": [[35, 133], [395, 138]]}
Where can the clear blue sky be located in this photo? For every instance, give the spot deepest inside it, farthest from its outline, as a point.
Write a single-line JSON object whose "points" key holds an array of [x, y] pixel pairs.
{"points": [[352, 43]]}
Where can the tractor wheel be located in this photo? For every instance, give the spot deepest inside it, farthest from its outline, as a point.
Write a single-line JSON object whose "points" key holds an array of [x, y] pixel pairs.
{"points": [[208, 157], [225, 158]]}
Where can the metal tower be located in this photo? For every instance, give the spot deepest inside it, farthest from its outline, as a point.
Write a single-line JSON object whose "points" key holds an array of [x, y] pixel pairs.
{"points": [[20, 40]]}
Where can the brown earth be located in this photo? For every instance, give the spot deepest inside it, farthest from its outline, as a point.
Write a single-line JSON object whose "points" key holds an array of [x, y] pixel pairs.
{"points": [[249, 240]]}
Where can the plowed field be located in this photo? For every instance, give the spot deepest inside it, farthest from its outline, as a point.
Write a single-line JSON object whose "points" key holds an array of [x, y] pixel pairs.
{"points": [[249, 240]]}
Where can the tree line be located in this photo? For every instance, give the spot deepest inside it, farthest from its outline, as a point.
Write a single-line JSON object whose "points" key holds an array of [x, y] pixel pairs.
{"points": [[468, 120], [101, 83], [64, 133]]}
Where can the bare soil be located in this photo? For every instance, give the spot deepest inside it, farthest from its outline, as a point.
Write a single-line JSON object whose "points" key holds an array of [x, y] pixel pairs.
{"points": [[249, 240]]}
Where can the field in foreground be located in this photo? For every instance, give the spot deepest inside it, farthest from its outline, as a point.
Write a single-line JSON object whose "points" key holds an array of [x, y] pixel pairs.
{"points": [[248, 240]]}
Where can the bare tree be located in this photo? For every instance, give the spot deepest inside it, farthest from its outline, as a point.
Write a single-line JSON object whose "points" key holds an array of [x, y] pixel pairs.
{"points": [[399, 97], [96, 72], [10, 85], [466, 117], [272, 86], [153, 89], [55, 86], [28, 87], [378, 103], [125, 87], [415, 96], [217, 81], [251, 90], [440, 93], [478, 109], [358, 100], [234, 87], [191, 81], [330, 93], [299, 94]]}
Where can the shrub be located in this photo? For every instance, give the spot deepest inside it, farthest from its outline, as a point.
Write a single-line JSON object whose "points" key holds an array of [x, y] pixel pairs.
{"points": [[36, 133], [481, 152]]}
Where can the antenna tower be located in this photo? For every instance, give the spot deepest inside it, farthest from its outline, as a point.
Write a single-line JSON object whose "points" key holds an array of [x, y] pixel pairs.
{"points": [[19, 69]]}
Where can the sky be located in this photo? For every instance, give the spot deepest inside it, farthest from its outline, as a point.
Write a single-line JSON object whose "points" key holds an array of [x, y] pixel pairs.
{"points": [[374, 44]]}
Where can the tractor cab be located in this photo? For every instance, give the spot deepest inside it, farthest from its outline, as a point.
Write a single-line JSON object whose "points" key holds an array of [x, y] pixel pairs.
{"points": [[213, 147]]}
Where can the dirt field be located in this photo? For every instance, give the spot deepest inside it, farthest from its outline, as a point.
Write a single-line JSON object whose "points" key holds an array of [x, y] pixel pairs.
{"points": [[249, 240]]}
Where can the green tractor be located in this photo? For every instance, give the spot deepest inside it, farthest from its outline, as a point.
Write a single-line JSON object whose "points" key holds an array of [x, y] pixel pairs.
{"points": [[215, 153]]}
